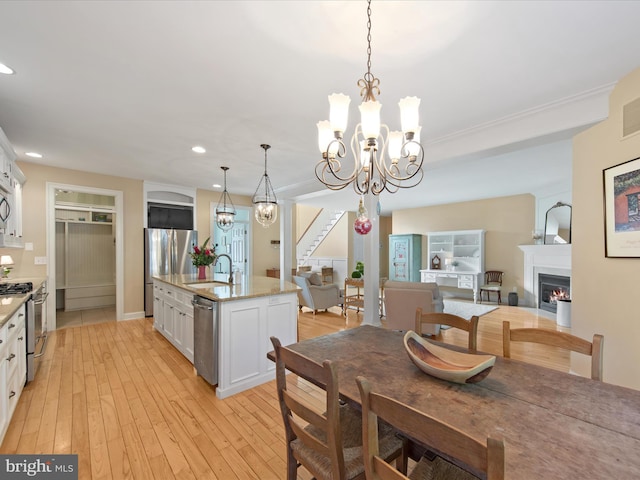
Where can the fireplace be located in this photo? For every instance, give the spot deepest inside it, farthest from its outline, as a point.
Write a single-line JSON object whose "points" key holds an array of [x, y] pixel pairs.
{"points": [[550, 289]]}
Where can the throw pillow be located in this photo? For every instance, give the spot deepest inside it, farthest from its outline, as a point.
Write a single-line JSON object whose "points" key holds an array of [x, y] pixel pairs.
{"points": [[315, 279]]}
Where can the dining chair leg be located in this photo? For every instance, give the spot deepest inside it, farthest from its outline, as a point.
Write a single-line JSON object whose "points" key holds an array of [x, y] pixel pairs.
{"points": [[402, 462], [292, 466]]}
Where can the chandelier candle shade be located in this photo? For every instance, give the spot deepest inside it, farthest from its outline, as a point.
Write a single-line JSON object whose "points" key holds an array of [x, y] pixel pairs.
{"points": [[382, 159], [264, 199], [225, 211]]}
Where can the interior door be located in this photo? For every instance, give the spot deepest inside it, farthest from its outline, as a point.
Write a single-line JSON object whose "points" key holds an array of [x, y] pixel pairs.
{"points": [[235, 242], [239, 247]]}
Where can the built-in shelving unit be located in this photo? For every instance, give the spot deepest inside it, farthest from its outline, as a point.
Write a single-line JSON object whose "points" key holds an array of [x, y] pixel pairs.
{"points": [[85, 257], [460, 256], [466, 247]]}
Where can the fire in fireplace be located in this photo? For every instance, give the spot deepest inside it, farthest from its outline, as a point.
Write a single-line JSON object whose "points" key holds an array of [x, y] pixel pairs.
{"points": [[552, 288]]}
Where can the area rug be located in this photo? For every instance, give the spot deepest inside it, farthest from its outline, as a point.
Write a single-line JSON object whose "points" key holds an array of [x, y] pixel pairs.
{"points": [[467, 310]]}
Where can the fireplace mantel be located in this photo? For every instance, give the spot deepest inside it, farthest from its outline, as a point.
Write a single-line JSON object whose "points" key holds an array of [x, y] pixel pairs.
{"points": [[552, 259]]}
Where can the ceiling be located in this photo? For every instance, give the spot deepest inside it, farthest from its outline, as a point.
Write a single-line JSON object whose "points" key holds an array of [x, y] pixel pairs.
{"points": [[127, 88]]}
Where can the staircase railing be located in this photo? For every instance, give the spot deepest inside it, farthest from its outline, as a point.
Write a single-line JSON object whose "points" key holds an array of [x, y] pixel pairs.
{"points": [[316, 233]]}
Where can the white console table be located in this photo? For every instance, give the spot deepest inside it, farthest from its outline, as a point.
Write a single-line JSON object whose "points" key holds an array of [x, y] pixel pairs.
{"points": [[453, 278]]}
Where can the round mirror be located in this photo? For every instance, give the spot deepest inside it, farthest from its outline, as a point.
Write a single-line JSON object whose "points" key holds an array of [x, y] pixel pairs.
{"points": [[557, 224]]}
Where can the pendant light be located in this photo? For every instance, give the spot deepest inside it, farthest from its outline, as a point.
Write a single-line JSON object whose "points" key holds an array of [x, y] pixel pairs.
{"points": [[225, 211], [264, 200]]}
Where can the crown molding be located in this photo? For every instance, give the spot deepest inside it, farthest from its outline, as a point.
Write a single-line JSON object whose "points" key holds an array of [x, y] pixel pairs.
{"points": [[563, 115]]}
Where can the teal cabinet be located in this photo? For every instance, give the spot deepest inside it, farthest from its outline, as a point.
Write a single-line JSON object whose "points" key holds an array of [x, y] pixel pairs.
{"points": [[405, 257]]}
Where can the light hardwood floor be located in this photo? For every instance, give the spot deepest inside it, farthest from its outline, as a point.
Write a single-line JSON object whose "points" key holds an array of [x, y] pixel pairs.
{"points": [[123, 398], [78, 318]]}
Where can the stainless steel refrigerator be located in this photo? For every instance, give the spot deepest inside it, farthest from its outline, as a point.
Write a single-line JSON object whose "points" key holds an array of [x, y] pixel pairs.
{"points": [[166, 252]]}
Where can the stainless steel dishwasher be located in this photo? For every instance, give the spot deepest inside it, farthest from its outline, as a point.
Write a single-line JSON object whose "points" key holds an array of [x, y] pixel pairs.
{"points": [[205, 338]]}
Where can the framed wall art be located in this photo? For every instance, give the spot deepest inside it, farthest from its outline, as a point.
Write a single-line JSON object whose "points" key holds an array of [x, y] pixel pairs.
{"points": [[622, 209]]}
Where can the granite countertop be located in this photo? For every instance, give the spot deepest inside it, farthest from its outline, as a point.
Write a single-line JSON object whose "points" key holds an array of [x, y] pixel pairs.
{"points": [[250, 287], [9, 304]]}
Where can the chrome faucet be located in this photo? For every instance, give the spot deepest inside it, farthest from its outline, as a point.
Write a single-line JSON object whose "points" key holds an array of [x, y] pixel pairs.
{"points": [[230, 265]]}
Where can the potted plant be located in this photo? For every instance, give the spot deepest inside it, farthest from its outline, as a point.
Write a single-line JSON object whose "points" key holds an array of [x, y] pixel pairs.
{"points": [[454, 265], [202, 257], [359, 271]]}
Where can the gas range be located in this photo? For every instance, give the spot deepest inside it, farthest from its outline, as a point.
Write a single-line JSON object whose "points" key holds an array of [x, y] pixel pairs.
{"points": [[15, 288]]}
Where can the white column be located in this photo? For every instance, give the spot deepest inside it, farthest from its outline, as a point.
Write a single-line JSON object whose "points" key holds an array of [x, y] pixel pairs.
{"points": [[372, 265], [287, 245]]}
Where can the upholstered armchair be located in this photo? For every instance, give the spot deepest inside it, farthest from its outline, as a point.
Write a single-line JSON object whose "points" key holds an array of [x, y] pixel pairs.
{"points": [[402, 299], [314, 295]]}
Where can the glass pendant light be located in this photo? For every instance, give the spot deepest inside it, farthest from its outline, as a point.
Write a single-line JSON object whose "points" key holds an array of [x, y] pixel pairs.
{"points": [[225, 211], [264, 199]]}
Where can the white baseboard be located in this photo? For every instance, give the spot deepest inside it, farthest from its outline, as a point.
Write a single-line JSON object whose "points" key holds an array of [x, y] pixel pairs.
{"points": [[133, 315]]}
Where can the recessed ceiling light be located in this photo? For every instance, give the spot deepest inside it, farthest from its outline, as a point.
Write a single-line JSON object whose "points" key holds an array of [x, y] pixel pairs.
{"points": [[33, 155], [217, 185], [6, 70], [198, 149]]}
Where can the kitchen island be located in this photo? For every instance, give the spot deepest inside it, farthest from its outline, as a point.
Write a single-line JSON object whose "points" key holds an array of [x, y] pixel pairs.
{"points": [[246, 315]]}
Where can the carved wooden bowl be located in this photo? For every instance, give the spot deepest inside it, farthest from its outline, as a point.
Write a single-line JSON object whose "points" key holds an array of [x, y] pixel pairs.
{"points": [[447, 364]]}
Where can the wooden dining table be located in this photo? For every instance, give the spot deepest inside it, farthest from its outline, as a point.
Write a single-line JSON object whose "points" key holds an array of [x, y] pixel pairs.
{"points": [[555, 425]]}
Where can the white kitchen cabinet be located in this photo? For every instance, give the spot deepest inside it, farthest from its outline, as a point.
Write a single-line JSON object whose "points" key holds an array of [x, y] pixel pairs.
{"points": [[13, 366], [183, 323], [11, 181], [169, 309], [158, 316], [173, 316], [7, 161], [4, 400], [246, 327]]}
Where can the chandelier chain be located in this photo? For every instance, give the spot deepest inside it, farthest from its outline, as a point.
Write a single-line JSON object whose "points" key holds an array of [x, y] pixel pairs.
{"points": [[369, 38], [369, 84]]}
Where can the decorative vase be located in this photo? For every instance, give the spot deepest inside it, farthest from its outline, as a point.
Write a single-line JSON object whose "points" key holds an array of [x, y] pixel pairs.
{"points": [[202, 272]]}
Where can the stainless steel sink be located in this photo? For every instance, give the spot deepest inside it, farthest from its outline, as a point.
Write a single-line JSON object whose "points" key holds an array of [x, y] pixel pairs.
{"points": [[206, 285]]}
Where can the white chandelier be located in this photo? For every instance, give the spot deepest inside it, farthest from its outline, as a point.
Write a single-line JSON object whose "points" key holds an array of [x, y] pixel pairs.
{"points": [[264, 199], [225, 214], [371, 171]]}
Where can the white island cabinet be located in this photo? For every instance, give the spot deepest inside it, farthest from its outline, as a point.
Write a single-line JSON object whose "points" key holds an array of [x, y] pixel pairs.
{"points": [[248, 315], [246, 327], [173, 316]]}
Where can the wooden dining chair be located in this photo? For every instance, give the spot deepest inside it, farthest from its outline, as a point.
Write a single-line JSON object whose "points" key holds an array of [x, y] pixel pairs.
{"points": [[492, 284], [555, 338], [471, 325], [329, 443], [486, 459]]}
